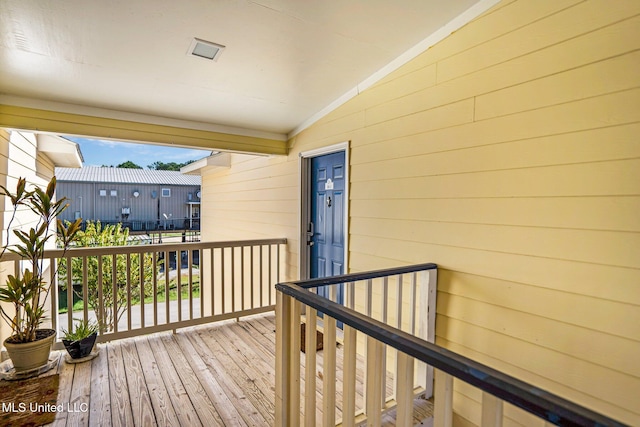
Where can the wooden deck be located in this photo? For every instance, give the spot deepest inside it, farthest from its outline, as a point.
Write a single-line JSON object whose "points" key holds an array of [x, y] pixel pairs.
{"points": [[220, 374]]}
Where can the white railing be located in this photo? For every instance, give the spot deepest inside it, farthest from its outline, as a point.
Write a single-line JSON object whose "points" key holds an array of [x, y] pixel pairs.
{"points": [[412, 351], [175, 286], [364, 378]]}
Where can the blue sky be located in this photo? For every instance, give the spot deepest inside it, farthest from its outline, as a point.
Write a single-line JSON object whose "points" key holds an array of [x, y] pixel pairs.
{"points": [[98, 152]]}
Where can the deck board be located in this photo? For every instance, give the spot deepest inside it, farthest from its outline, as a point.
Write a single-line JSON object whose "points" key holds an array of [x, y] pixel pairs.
{"points": [[218, 374]]}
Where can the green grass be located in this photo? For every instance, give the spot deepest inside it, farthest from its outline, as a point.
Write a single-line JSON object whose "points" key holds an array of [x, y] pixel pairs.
{"points": [[161, 296]]}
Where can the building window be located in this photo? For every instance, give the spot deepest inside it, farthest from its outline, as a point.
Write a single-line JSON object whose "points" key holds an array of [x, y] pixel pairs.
{"points": [[166, 192], [103, 193], [114, 193]]}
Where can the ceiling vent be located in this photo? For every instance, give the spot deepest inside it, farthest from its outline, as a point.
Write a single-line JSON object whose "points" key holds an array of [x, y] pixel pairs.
{"points": [[206, 50]]}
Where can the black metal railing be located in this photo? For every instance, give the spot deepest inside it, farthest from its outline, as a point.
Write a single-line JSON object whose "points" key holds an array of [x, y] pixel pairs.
{"points": [[548, 406]]}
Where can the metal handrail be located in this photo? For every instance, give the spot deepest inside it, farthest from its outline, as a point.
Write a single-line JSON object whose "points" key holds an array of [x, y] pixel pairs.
{"points": [[541, 403]]}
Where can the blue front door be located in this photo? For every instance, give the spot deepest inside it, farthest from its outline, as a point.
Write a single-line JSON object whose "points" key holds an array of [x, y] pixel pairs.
{"points": [[328, 217]]}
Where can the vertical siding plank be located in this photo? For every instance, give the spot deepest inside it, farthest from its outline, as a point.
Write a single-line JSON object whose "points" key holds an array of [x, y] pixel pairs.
{"points": [[443, 400]]}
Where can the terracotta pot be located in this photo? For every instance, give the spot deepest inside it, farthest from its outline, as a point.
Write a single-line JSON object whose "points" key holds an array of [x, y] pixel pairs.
{"points": [[31, 355], [80, 348]]}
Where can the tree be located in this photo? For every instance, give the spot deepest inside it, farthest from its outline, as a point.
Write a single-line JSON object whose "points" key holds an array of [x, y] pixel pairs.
{"points": [[108, 313], [129, 165], [171, 166]]}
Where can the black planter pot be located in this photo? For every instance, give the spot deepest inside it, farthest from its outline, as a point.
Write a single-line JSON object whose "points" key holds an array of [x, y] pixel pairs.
{"points": [[80, 348]]}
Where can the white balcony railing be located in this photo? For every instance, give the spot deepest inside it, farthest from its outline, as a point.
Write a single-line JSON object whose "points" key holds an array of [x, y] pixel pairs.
{"points": [[162, 286]]}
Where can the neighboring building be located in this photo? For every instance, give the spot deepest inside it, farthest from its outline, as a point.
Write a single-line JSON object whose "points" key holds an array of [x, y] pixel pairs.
{"points": [[143, 200]]}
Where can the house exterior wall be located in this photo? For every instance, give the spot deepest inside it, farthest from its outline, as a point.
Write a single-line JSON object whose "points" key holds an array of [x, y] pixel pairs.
{"points": [[508, 155], [84, 199], [19, 157]]}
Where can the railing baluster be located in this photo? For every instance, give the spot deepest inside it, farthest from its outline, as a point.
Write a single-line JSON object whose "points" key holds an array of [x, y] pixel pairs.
{"points": [[53, 284], [269, 282], [179, 283], [190, 279], [349, 380], [443, 400], [201, 280], [261, 277], [374, 374], [85, 288], [128, 284], [224, 279], [233, 279], [491, 410], [329, 369], [167, 293], [213, 281], [310, 345], [296, 308], [69, 295], [242, 278], [114, 292], [404, 390], [155, 287], [141, 283], [102, 325], [385, 320], [253, 303]]}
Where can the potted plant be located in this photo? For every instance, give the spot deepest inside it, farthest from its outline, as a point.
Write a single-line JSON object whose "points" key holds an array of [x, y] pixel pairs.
{"points": [[26, 292], [79, 342]]}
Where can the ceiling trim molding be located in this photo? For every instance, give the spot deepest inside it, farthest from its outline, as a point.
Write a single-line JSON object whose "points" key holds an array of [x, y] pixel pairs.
{"points": [[455, 24], [59, 123]]}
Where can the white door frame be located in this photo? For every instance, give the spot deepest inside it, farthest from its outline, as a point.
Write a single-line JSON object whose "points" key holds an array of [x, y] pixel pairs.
{"points": [[305, 204]]}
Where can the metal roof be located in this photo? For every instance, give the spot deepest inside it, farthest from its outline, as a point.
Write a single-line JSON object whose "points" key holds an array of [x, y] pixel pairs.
{"points": [[125, 176]]}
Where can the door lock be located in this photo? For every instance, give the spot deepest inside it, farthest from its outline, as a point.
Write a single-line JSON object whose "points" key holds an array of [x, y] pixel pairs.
{"points": [[329, 201]]}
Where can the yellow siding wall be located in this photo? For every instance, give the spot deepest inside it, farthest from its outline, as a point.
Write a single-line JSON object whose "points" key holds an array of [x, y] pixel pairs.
{"points": [[19, 158], [508, 154]]}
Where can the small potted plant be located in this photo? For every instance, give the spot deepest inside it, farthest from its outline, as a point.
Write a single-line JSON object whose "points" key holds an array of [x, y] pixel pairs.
{"points": [[80, 342], [26, 292]]}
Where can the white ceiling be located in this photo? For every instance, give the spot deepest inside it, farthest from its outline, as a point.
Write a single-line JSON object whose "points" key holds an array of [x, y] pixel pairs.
{"points": [[285, 60]]}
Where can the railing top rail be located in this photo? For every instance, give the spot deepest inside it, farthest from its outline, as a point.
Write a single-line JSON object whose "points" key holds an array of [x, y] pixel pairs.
{"points": [[548, 406], [160, 247], [355, 277]]}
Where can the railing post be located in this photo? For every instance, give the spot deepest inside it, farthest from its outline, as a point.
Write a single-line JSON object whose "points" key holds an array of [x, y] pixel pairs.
{"points": [[283, 341]]}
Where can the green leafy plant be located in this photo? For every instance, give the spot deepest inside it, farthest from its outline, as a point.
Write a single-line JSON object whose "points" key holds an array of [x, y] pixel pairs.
{"points": [[82, 330], [27, 292], [107, 296]]}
